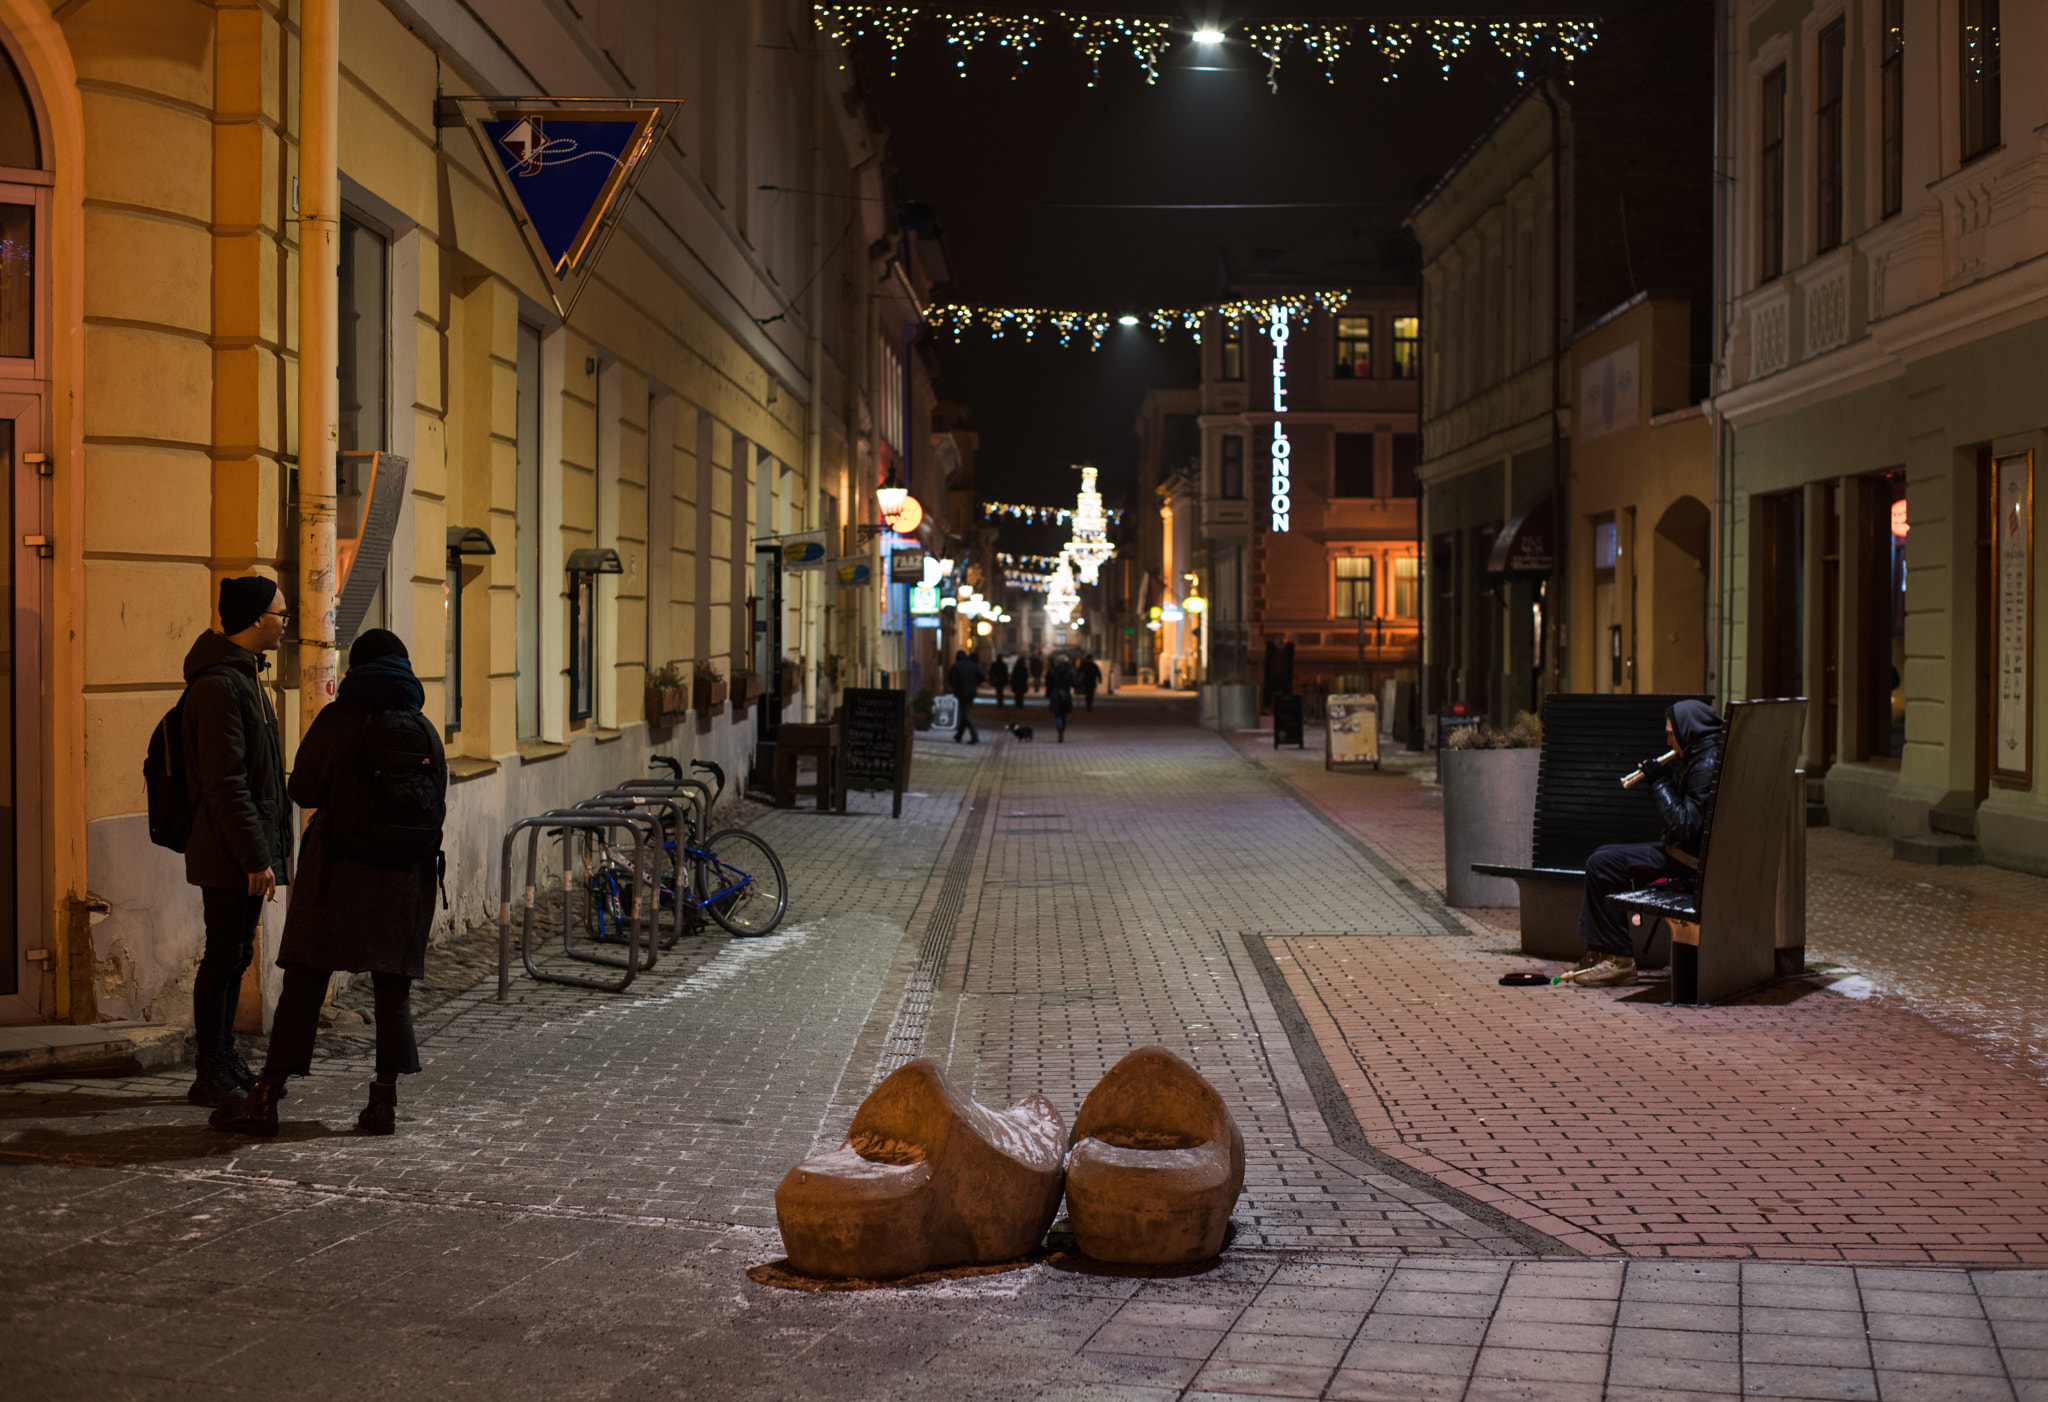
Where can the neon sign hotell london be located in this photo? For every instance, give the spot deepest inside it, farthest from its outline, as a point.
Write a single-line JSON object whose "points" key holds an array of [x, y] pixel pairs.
{"points": [[1283, 479]]}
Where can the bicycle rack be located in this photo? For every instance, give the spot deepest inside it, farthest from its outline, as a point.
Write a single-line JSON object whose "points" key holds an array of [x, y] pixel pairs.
{"points": [[641, 825], [697, 790], [672, 824]]}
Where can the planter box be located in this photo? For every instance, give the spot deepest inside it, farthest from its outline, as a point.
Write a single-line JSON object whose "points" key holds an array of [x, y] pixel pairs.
{"points": [[665, 704], [792, 680], [708, 698], [750, 688], [1489, 813]]}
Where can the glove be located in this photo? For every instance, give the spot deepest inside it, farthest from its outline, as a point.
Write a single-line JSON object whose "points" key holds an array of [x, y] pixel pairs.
{"points": [[1653, 770]]}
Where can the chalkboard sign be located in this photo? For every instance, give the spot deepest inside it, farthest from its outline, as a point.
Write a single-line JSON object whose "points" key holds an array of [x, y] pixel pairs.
{"points": [[1287, 721], [873, 742]]}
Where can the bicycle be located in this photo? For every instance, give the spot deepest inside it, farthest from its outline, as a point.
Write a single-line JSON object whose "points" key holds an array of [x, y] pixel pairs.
{"points": [[748, 899]]}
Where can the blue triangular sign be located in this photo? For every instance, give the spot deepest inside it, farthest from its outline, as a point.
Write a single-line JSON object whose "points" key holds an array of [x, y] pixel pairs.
{"points": [[567, 168]]}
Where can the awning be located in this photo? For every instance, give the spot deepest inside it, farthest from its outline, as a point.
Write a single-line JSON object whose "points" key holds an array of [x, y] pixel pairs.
{"points": [[1529, 543]]}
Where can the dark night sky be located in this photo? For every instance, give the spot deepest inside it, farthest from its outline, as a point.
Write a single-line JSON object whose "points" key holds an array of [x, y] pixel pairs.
{"points": [[994, 157]]}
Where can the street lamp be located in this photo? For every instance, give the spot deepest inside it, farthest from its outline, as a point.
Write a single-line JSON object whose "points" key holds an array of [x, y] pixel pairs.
{"points": [[1208, 35], [889, 496]]}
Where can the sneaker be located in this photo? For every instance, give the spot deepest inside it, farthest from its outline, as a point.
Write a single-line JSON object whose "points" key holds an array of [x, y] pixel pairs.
{"points": [[1613, 971], [1586, 961]]}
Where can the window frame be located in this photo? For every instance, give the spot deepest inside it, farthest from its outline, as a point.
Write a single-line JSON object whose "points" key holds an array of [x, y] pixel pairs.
{"points": [[1230, 350], [1772, 91], [1830, 166], [1368, 579], [1342, 368], [1979, 124], [1412, 586], [1224, 464], [1891, 131], [1406, 361], [582, 645], [528, 543], [1337, 466]]}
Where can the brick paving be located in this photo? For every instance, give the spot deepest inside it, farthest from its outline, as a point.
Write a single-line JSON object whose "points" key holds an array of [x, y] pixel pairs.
{"points": [[580, 1180]]}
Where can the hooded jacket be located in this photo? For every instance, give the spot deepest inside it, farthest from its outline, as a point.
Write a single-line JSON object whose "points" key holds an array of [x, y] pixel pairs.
{"points": [[963, 678], [241, 819], [1684, 789]]}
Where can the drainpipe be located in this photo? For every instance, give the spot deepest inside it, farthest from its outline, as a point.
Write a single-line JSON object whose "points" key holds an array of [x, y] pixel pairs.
{"points": [[1560, 506], [319, 353]]}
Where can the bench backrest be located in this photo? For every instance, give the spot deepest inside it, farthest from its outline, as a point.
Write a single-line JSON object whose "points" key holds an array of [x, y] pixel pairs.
{"points": [[1589, 742], [1739, 858]]}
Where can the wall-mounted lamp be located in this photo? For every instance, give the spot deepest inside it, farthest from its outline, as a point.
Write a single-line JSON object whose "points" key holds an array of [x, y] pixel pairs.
{"points": [[595, 561], [469, 540]]}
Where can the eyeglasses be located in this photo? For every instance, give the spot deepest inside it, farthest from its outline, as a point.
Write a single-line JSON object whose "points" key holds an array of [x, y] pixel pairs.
{"points": [[282, 615]]}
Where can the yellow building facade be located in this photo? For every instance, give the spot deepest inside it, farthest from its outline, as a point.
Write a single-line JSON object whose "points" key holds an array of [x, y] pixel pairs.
{"points": [[715, 387]]}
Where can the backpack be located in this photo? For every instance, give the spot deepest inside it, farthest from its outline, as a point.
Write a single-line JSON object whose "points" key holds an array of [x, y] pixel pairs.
{"points": [[163, 778], [389, 802]]}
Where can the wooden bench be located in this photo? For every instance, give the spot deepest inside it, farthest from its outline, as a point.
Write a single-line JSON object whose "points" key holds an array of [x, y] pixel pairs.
{"points": [[794, 742], [1589, 743], [1748, 899]]}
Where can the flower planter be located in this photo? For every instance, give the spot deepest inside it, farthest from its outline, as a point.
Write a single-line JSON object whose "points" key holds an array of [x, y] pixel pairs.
{"points": [[666, 704], [1489, 809], [708, 698], [750, 688], [792, 680]]}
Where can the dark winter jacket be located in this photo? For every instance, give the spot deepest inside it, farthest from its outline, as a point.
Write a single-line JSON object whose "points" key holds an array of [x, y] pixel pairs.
{"points": [[1088, 677], [999, 676], [1020, 678], [1059, 688], [964, 678], [347, 914], [241, 820], [1684, 789]]}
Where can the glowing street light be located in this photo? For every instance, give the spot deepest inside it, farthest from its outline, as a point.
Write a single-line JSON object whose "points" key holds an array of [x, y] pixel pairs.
{"points": [[889, 497], [1126, 320], [1208, 36]]}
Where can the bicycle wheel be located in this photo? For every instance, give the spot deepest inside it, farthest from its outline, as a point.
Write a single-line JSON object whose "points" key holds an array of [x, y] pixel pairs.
{"points": [[604, 904], [740, 881]]}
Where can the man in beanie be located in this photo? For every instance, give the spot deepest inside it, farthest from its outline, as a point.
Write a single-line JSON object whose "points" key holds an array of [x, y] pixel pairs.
{"points": [[241, 819]]}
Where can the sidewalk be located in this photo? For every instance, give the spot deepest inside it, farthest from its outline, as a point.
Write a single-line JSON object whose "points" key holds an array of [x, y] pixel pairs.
{"points": [[580, 1180]]}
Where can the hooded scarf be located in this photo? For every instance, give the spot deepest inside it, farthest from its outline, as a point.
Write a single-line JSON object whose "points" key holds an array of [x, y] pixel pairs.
{"points": [[381, 684]]}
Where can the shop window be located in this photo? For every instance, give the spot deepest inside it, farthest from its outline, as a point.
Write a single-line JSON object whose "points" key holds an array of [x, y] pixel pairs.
{"points": [[1608, 634], [1407, 348], [1405, 586], [1771, 178], [1827, 136], [1977, 53], [1407, 457], [1891, 46], [582, 645], [1231, 467], [1354, 587], [1233, 350], [1354, 348], [1881, 612], [363, 334], [526, 453], [1353, 476], [1780, 544]]}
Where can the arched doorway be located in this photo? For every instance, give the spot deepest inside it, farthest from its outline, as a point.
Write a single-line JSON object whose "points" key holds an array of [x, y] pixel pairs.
{"points": [[1679, 604], [25, 365]]}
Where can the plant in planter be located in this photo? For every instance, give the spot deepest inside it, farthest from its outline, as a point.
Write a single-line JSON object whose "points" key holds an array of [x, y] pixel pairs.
{"points": [[667, 697], [921, 709], [1489, 783], [708, 689]]}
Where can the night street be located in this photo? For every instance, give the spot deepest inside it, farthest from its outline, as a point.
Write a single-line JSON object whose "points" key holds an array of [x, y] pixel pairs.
{"points": [[1446, 1197]]}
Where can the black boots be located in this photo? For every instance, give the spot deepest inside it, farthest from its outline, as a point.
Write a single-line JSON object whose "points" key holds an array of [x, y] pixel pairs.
{"points": [[239, 1070], [214, 1083], [380, 1116], [254, 1113]]}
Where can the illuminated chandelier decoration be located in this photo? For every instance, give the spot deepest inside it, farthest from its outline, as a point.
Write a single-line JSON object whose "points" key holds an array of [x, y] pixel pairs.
{"points": [[1322, 41], [1062, 597], [1090, 548]]}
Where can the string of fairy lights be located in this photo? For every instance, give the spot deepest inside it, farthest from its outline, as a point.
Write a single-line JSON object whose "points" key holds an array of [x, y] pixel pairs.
{"points": [[1041, 515], [1021, 560], [957, 318], [1322, 42]]}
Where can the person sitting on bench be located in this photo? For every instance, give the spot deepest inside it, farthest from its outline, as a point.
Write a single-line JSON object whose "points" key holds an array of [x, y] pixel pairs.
{"points": [[1683, 782]]}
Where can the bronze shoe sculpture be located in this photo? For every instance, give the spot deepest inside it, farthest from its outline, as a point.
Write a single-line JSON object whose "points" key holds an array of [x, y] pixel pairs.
{"points": [[1156, 1164], [926, 1179]]}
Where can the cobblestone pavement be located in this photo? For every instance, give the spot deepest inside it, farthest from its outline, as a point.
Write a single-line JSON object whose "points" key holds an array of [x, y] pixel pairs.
{"points": [[580, 1179], [1615, 1122]]}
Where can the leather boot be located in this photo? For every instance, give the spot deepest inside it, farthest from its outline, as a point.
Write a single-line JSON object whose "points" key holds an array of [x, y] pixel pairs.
{"points": [[254, 1113], [213, 1083], [239, 1071], [380, 1116]]}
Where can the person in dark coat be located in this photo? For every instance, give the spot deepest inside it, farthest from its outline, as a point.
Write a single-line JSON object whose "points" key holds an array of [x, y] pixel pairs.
{"points": [[1059, 693], [345, 913], [1020, 679], [963, 679], [241, 820], [1087, 677], [999, 678], [1037, 668], [1684, 788]]}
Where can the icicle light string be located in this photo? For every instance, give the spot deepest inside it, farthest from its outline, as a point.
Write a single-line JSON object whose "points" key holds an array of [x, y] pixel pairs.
{"points": [[1323, 41], [957, 319], [1040, 515]]}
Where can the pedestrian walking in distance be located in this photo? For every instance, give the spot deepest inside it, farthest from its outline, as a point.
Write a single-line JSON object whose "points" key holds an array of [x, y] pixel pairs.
{"points": [[963, 680], [1020, 680], [999, 678], [372, 767], [1059, 693], [1037, 667], [1088, 676], [241, 820]]}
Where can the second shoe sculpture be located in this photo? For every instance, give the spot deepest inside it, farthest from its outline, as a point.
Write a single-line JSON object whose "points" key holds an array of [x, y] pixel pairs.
{"points": [[926, 1179], [1156, 1164]]}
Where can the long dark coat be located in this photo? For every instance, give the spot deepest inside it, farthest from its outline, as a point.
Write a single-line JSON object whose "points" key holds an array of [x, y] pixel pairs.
{"points": [[1059, 688], [347, 914], [234, 772]]}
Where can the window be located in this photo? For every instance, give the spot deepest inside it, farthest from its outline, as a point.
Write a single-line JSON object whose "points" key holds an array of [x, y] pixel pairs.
{"points": [[1407, 347], [362, 332], [1606, 543], [1354, 347], [1771, 180], [1354, 474], [1233, 350], [1407, 457], [1405, 581], [1882, 610], [526, 494], [582, 644], [1978, 54], [18, 281], [1354, 587], [1231, 487], [1827, 138], [1891, 48]]}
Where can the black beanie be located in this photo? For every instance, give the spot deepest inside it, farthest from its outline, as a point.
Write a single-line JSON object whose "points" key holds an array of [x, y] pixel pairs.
{"points": [[243, 599], [373, 643]]}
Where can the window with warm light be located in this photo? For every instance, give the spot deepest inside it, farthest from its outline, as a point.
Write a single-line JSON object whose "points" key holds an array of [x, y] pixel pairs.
{"points": [[1233, 350], [1406, 579], [1407, 347], [1354, 587], [1354, 347]]}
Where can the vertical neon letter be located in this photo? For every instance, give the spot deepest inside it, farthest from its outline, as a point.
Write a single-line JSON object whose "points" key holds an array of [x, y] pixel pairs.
{"points": [[1283, 480]]}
